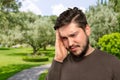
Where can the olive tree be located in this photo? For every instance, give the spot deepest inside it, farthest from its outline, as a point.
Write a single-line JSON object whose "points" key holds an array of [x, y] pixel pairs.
{"points": [[103, 20], [39, 32]]}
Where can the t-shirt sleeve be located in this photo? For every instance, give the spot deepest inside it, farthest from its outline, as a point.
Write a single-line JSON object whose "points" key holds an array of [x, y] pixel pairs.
{"points": [[55, 71], [116, 69]]}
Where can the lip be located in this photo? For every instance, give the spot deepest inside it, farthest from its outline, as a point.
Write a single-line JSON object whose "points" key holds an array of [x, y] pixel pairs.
{"points": [[73, 49]]}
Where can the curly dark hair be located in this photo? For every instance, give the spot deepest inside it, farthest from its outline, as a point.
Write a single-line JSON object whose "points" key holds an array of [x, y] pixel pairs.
{"points": [[71, 15]]}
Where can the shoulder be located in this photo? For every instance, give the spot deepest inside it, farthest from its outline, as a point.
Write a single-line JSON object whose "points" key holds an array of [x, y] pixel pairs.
{"points": [[103, 54], [111, 62]]}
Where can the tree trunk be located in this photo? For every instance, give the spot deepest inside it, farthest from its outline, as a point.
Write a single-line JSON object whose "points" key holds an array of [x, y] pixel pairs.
{"points": [[34, 52], [44, 47]]}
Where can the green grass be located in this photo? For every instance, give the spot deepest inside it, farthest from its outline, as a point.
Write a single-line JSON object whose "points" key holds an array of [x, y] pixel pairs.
{"points": [[43, 75], [11, 61]]}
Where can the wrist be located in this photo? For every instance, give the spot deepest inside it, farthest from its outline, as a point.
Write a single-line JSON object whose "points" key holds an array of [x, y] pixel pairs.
{"points": [[58, 60]]}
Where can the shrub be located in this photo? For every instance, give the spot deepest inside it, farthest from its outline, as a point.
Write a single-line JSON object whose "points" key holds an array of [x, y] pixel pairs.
{"points": [[35, 58], [2, 48], [47, 53], [110, 43]]}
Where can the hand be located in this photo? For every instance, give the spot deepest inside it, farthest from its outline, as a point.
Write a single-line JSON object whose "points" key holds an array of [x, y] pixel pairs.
{"points": [[60, 50]]}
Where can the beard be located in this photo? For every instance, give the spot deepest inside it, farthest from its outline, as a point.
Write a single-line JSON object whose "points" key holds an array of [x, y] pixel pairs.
{"points": [[82, 54]]}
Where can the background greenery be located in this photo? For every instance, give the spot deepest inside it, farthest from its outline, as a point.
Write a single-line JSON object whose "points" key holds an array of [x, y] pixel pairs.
{"points": [[11, 60], [43, 75], [24, 34], [110, 43]]}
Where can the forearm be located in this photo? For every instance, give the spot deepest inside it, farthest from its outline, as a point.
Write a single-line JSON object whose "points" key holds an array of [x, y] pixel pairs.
{"points": [[54, 72]]}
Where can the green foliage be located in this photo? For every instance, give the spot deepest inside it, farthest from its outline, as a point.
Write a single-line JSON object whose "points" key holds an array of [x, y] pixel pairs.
{"points": [[102, 20], [53, 18], [11, 61], [39, 31], [34, 30], [24, 27], [110, 43], [43, 75], [47, 53], [36, 58], [116, 5], [11, 26], [10, 70], [4, 48], [10, 5]]}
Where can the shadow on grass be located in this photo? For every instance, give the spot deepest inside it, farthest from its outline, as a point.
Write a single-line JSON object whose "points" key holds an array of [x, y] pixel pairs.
{"points": [[47, 50], [10, 70], [17, 54], [4, 48]]}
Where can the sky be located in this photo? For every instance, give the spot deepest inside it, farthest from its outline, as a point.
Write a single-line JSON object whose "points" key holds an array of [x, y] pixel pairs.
{"points": [[54, 7]]}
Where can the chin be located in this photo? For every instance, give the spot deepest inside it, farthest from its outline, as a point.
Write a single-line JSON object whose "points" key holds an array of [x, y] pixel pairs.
{"points": [[77, 53]]}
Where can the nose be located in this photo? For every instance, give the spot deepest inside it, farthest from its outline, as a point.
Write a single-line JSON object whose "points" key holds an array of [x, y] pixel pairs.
{"points": [[70, 41]]}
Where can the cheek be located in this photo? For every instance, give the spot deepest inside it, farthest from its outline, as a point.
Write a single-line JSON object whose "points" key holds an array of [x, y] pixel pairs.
{"points": [[80, 39]]}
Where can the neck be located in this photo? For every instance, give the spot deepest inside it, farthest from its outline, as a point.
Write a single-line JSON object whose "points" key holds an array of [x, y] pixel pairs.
{"points": [[89, 51]]}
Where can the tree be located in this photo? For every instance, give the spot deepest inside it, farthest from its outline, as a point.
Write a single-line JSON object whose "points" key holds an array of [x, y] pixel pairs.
{"points": [[20, 27], [116, 5], [11, 29], [53, 18], [39, 32], [8, 19], [10, 5], [35, 30], [103, 20], [116, 8]]}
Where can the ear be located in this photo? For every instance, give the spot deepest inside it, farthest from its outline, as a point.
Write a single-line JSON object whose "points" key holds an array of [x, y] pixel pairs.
{"points": [[87, 30]]}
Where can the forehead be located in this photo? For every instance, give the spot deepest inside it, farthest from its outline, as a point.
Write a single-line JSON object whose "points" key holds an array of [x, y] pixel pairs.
{"points": [[69, 29]]}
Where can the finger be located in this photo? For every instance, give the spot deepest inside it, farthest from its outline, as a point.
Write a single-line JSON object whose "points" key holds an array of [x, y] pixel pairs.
{"points": [[58, 35]]}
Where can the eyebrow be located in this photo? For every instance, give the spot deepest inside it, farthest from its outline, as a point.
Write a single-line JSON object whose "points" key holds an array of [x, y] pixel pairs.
{"points": [[73, 33], [69, 34]]}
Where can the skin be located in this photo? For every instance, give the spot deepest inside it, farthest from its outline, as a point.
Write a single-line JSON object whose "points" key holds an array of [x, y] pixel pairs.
{"points": [[71, 38]]}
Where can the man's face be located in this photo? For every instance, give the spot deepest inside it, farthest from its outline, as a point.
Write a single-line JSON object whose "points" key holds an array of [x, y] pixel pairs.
{"points": [[75, 39]]}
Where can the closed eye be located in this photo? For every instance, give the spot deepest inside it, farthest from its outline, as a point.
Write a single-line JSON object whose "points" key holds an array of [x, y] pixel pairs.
{"points": [[64, 38], [72, 35]]}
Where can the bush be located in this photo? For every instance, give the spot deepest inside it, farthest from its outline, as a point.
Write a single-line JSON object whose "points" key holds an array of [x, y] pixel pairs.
{"points": [[2, 48], [49, 53], [110, 43], [36, 58]]}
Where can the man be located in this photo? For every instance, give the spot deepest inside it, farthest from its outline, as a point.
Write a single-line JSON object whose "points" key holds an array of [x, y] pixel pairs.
{"points": [[75, 59]]}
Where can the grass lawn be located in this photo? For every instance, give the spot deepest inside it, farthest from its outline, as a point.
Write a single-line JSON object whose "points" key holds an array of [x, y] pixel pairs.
{"points": [[11, 61], [43, 75]]}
